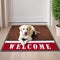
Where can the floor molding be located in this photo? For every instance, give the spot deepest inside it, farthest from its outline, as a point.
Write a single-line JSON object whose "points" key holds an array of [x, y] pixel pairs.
{"points": [[29, 23]]}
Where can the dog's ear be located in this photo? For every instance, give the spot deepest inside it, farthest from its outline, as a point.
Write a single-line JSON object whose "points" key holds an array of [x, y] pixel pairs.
{"points": [[19, 28], [29, 27]]}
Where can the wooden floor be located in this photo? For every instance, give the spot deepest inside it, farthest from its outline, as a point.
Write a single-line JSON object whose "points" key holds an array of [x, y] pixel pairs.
{"points": [[42, 55]]}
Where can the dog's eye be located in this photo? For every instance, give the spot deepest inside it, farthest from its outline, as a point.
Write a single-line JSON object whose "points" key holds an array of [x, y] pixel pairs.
{"points": [[23, 29], [27, 29]]}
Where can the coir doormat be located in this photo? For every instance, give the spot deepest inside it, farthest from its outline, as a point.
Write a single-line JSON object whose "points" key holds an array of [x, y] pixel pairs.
{"points": [[43, 41]]}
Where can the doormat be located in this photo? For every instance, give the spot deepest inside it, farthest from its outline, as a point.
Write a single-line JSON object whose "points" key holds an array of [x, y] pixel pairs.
{"points": [[43, 41]]}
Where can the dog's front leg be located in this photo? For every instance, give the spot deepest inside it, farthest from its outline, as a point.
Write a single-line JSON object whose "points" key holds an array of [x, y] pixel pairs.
{"points": [[22, 42], [29, 39]]}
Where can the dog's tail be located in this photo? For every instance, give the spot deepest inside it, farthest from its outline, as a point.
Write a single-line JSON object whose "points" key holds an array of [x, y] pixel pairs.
{"points": [[37, 32]]}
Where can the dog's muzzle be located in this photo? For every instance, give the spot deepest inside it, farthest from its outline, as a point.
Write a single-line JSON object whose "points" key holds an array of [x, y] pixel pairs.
{"points": [[25, 34]]}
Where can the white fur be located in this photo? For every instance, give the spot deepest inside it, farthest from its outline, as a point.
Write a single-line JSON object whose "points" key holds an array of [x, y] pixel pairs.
{"points": [[22, 32]]}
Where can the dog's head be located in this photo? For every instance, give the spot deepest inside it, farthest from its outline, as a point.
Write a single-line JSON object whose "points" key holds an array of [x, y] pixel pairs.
{"points": [[25, 29]]}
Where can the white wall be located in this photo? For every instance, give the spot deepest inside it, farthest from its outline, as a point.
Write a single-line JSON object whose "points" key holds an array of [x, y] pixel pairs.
{"points": [[0, 16], [30, 11]]}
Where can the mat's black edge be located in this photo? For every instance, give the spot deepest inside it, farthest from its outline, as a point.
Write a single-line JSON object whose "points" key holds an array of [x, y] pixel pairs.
{"points": [[31, 51]]}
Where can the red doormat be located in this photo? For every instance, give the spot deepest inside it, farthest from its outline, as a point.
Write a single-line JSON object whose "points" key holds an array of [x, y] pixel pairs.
{"points": [[44, 41], [30, 46]]}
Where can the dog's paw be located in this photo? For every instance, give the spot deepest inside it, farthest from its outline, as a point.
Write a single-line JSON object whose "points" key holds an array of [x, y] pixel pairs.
{"points": [[30, 38], [25, 42], [19, 39]]}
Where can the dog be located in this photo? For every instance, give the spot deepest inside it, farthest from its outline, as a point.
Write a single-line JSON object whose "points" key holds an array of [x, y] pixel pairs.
{"points": [[26, 32]]}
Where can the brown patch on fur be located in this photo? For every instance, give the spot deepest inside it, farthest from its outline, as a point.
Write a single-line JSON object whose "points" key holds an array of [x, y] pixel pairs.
{"points": [[29, 28]]}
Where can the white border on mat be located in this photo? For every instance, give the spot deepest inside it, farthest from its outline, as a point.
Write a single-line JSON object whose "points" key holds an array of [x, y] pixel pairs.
{"points": [[30, 42]]}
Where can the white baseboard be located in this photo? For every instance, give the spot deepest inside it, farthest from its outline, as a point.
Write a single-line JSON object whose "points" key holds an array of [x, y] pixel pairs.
{"points": [[27, 23], [27, 20]]}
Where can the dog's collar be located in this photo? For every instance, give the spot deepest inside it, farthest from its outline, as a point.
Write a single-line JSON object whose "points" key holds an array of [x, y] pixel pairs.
{"points": [[24, 39]]}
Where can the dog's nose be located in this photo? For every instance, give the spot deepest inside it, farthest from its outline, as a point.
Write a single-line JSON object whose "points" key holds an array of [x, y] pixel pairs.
{"points": [[25, 33]]}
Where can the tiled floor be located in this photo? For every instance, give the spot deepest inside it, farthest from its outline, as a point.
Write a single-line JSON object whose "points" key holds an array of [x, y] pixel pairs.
{"points": [[29, 55]]}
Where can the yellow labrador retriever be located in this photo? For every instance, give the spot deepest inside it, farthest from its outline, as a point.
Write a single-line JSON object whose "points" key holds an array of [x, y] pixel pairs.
{"points": [[26, 32]]}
